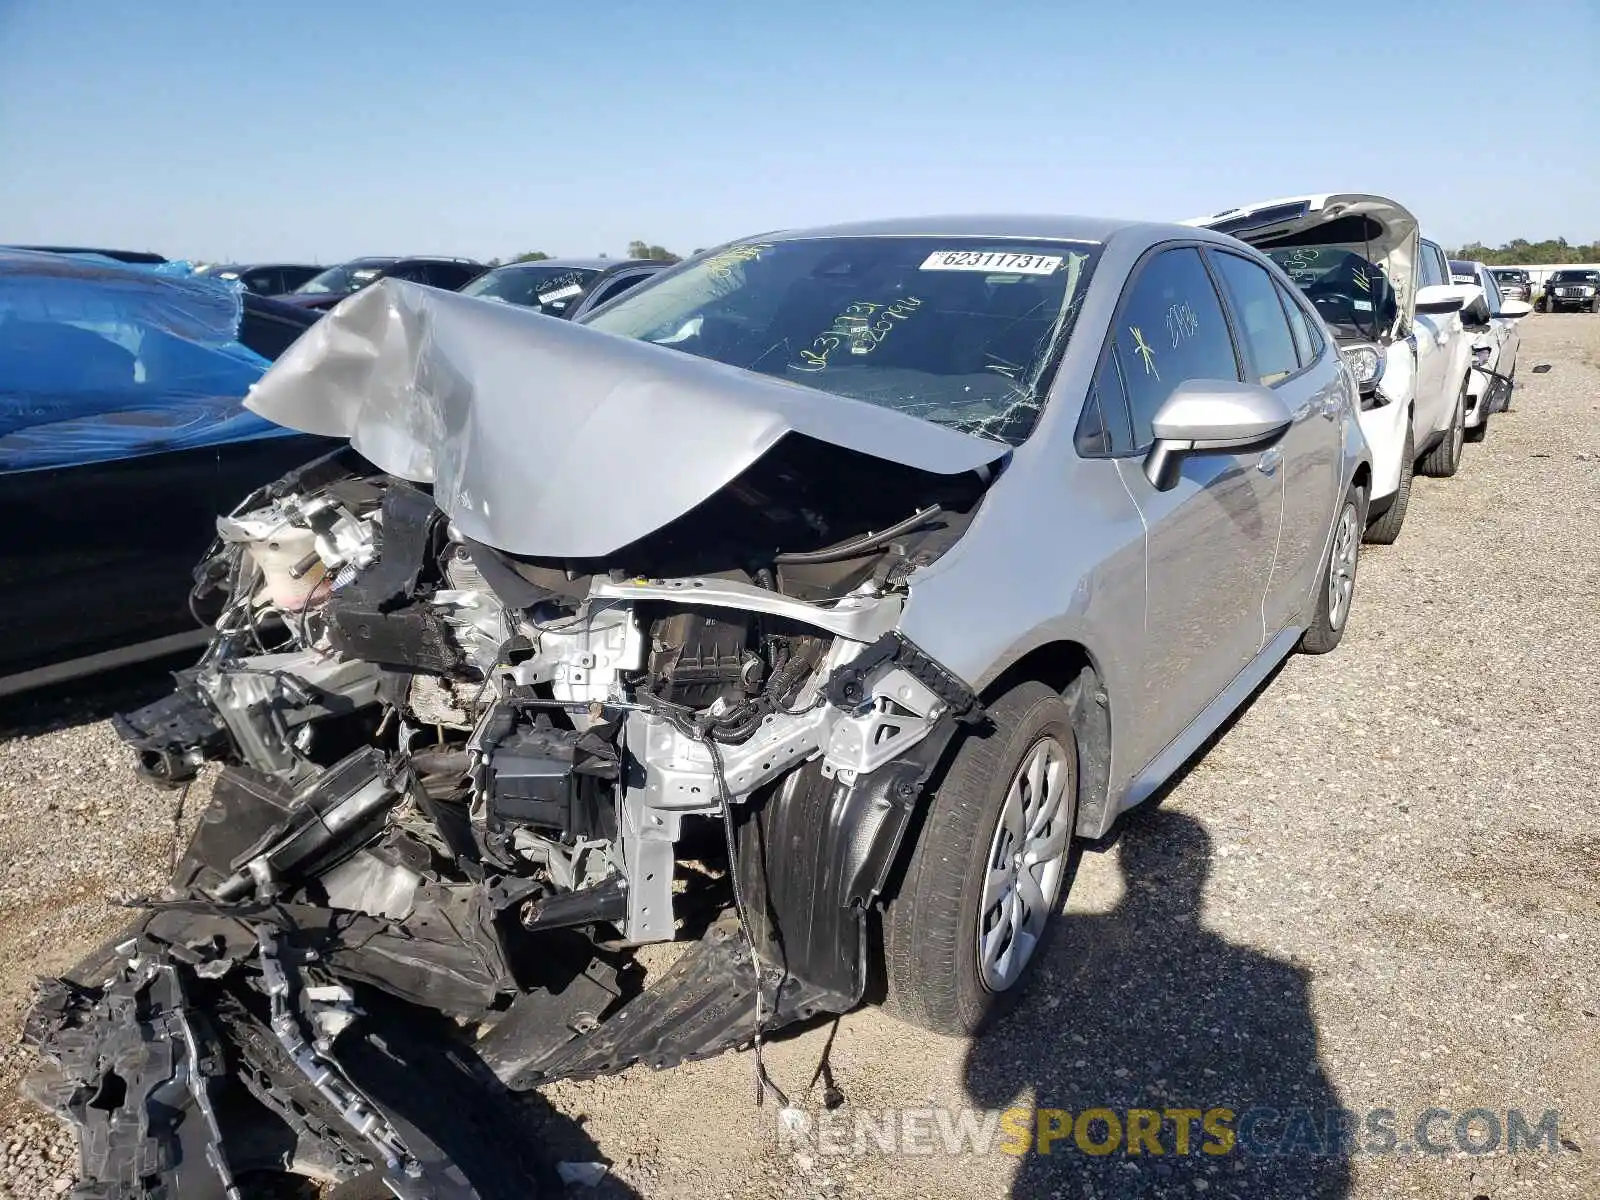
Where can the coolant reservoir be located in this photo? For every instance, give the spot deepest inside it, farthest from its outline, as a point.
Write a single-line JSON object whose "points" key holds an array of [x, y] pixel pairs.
{"points": [[279, 546], [288, 547]]}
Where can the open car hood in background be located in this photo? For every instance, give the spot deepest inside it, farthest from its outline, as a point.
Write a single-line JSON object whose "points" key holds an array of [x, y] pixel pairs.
{"points": [[549, 439], [1384, 227]]}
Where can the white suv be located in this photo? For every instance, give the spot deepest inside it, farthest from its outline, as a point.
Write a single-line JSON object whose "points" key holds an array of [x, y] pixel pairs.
{"points": [[1386, 295]]}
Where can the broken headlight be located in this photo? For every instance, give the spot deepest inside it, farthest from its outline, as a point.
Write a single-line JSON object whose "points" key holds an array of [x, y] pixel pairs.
{"points": [[1365, 363]]}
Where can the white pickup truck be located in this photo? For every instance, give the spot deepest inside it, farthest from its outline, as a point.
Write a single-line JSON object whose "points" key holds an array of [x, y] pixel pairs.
{"points": [[1387, 297]]}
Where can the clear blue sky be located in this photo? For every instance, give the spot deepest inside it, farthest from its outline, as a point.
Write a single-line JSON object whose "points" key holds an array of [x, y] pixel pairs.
{"points": [[332, 128]]}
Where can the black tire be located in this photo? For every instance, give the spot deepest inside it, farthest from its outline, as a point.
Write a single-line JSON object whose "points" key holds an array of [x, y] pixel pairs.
{"points": [[1444, 460], [932, 973], [1476, 433], [1328, 624], [1385, 531]]}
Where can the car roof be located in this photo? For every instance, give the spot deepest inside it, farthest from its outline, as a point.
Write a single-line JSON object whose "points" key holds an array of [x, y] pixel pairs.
{"points": [[127, 256], [570, 264], [437, 258], [1012, 225], [262, 266], [602, 265]]}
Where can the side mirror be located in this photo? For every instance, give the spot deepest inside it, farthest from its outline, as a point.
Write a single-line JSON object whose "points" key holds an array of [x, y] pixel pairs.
{"points": [[1437, 299], [1208, 416], [1515, 308]]}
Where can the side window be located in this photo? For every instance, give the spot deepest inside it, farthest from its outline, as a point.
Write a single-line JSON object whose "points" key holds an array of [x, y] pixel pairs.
{"points": [[1268, 343], [1305, 348], [450, 276], [263, 283], [1431, 270], [615, 287], [1171, 329], [1103, 427], [1491, 292]]}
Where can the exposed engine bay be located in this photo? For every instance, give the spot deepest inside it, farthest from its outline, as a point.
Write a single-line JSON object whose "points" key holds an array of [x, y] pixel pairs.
{"points": [[463, 786]]}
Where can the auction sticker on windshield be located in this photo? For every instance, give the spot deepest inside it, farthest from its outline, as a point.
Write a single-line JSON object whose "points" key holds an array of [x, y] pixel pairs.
{"points": [[991, 260], [572, 289]]}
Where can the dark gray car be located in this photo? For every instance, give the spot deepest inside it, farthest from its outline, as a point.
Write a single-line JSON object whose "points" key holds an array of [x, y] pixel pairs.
{"points": [[562, 287]]}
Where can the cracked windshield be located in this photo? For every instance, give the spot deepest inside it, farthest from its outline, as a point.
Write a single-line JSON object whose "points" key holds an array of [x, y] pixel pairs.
{"points": [[965, 332]]}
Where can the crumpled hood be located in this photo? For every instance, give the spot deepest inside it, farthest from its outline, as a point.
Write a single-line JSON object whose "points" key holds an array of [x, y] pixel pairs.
{"points": [[550, 439]]}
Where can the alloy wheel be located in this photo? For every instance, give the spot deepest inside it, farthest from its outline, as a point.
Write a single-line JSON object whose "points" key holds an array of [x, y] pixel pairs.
{"points": [[1342, 567], [1027, 860]]}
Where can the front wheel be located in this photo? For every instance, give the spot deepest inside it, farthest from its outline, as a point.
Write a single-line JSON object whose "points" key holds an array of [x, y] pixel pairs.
{"points": [[1444, 460], [1386, 529], [986, 873], [1336, 589]]}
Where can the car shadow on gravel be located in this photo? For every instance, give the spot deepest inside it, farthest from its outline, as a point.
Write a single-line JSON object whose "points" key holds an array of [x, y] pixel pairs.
{"points": [[84, 701], [1141, 1008]]}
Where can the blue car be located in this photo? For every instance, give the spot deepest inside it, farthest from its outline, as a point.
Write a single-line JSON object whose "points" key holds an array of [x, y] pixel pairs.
{"points": [[122, 435]]}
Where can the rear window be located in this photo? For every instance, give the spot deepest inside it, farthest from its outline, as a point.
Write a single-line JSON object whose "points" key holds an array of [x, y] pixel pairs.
{"points": [[552, 290]]}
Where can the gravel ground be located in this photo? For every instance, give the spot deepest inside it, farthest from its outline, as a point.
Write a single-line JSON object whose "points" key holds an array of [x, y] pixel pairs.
{"points": [[1377, 891]]}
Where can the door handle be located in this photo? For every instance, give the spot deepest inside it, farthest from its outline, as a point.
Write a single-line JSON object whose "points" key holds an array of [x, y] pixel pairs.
{"points": [[1267, 464]]}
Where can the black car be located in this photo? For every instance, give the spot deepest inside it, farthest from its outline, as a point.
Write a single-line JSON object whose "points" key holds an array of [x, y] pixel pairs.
{"points": [[121, 439], [1513, 282], [265, 279], [1573, 290], [333, 285], [562, 287]]}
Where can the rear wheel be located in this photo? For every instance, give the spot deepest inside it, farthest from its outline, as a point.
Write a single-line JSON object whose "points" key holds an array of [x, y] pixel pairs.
{"points": [[1386, 529], [1444, 460], [986, 873]]}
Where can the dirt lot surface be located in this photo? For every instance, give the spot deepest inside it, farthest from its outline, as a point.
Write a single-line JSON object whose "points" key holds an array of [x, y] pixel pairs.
{"points": [[1380, 890]]}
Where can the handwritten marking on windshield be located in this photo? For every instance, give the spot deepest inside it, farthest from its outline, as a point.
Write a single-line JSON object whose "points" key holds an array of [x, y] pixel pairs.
{"points": [[1143, 350], [862, 326], [721, 264]]}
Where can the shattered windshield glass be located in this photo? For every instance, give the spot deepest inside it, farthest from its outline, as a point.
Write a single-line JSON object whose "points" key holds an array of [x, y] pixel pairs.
{"points": [[962, 331], [1349, 292]]}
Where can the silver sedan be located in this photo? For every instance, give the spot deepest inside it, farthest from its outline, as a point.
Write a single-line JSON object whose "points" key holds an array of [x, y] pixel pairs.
{"points": [[826, 585]]}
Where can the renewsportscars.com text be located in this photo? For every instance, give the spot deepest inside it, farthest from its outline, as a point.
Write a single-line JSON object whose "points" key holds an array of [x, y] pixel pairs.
{"points": [[1258, 1130]]}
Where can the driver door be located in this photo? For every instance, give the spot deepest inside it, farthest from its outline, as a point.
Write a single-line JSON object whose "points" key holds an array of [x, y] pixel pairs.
{"points": [[1210, 541]]}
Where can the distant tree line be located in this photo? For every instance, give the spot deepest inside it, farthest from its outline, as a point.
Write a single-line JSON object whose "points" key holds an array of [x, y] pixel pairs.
{"points": [[1521, 252]]}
